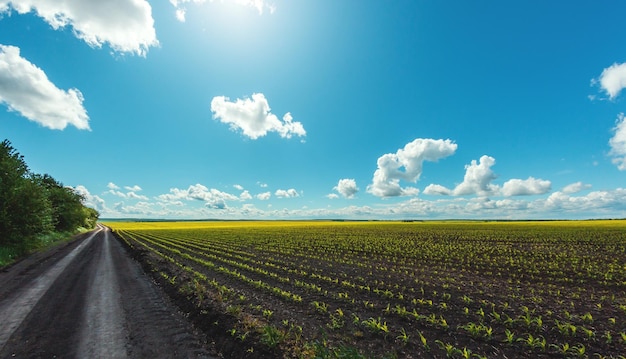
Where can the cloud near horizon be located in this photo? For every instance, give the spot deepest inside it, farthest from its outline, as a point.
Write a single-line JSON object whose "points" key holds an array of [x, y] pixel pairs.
{"points": [[559, 205], [126, 26], [213, 198], [386, 179], [26, 89], [478, 181], [253, 117]]}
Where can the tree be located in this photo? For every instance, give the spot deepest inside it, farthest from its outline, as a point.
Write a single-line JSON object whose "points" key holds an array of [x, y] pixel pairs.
{"points": [[24, 208], [67, 206], [33, 205]]}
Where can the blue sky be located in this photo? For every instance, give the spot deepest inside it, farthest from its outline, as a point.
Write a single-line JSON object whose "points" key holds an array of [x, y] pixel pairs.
{"points": [[275, 109]]}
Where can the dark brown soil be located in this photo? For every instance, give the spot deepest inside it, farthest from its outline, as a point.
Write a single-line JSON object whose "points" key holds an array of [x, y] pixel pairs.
{"points": [[100, 303]]}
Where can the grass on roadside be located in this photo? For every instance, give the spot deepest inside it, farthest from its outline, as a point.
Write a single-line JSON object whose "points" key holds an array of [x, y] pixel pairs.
{"points": [[9, 255]]}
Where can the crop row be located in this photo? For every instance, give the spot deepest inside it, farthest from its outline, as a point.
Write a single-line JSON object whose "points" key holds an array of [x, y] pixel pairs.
{"points": [[444, 289]]}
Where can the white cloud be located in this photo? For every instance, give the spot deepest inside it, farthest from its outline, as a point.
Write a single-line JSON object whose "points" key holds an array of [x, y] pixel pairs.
{"points": [[90, 200], [435, 189], [180, 15], [613, 79], [116, 193], [346, 187], [598, 204], [290, 193], [245, 195], [25, 88], [259, 5], [253, 117], [134, 195], [530, 186], [264, 196], [386, 180], [238, 186], [126, 25], [213, 198], [130, 194], [595, 203], [477, 179], [618, 143], [575, 188]]}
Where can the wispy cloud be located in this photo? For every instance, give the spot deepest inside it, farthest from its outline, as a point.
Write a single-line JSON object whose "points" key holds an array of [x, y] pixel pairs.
{"points": [[618, 143], [261, 6], [575, 188], [26, 89], [253, 117], [126, 26]]}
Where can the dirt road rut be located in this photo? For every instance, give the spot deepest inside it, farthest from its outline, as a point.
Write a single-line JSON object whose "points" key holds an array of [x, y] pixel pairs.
{"points": [[89, 299]]}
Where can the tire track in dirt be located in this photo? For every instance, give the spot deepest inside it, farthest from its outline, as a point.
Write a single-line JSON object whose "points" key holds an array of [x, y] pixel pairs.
{"points": [[103, 334], [93, 302], [17, 306]]}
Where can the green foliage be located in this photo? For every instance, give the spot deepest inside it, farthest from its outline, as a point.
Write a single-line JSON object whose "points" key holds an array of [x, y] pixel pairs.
{"points": [[33, 206]]}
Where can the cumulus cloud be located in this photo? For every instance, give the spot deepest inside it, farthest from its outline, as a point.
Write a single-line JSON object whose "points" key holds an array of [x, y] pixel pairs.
{"points": [[575, 188], [618, 143], [346, 187], [612, 80], [112, 186], [259, 5], [478, 177], [289, 193], [25, 89], [530, 186], [478, 181], [90, 200], [245, 195], [253, 117], [264, 196], [126, 26], [386, 180], [435, 189], [213, 198], [596, 202]]}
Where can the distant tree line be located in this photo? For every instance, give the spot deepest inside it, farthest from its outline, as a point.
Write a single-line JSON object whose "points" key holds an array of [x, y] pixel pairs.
{"points": [[33, 206]]}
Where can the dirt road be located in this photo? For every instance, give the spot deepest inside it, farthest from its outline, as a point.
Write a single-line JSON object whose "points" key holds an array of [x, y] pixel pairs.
{"points": [[89, 299]]}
